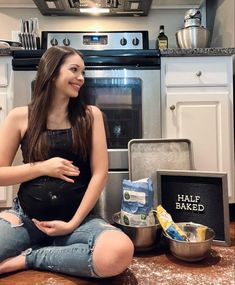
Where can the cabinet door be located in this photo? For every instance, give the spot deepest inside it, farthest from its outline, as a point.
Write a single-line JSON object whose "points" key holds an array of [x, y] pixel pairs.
{"points": [[204, 119], [2, 106], [2, 116], [5, 191], [6, 98]]}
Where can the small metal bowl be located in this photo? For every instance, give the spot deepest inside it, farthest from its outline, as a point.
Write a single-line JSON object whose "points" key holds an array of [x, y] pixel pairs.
{"points": [[144, 238], [193, 250]]}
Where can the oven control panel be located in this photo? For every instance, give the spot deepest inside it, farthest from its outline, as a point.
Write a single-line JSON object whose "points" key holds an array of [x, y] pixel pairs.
{"points": [[96, 40]]}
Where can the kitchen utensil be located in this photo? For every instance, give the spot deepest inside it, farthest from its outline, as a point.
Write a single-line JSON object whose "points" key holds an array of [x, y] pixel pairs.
{"points": [[144, 238], [28, 35], [35, 32], [195, 249], [192, 37], [11, 44], [21, 37], [4, 44]]}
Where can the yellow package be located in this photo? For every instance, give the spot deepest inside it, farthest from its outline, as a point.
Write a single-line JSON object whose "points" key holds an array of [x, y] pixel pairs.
{"points": [[169, 227], [201, 233]]}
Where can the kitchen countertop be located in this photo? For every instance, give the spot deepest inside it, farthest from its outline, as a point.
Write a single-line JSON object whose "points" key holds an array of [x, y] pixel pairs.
{"points": [[5, 52], [174, 52]]}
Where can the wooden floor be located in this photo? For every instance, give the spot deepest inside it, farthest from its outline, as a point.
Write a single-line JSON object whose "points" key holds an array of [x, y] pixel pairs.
{"points": [[158, 267]]}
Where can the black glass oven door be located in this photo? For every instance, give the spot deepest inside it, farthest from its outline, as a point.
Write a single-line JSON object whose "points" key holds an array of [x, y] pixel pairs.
{"points": [[120, 101]]}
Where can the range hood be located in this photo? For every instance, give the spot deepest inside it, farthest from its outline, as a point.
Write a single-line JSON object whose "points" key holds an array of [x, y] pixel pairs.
{"points": [[94, 7]]}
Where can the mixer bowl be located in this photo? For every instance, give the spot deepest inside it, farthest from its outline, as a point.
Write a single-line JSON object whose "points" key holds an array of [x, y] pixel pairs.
{"points": [[192, 37], [144, 238]]}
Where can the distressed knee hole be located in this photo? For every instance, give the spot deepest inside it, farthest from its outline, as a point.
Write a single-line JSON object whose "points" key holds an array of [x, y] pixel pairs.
{"points": [[11, 218]]}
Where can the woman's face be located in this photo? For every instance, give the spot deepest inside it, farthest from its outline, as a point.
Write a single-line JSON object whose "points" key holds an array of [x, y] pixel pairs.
{"points": [[71, 77]]}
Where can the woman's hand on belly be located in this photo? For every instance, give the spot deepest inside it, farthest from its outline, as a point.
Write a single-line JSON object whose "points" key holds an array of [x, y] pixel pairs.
{"points": [[54, 228], [59, 168]]}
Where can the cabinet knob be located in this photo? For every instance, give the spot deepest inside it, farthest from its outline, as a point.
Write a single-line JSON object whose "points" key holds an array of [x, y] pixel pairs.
{"points": [[0, 108], [172, 107], [199, 73]]}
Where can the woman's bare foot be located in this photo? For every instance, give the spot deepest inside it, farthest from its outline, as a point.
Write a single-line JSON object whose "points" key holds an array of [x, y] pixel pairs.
{"points": [[12, 264]]}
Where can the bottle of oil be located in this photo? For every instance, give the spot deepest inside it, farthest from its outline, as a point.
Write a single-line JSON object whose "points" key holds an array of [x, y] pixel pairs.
{"points": [[162, 39]]}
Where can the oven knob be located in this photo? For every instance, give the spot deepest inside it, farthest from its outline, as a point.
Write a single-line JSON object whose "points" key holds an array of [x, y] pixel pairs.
{"points": [[54, 42], [135, 41], [123, 41], [66, 42]]}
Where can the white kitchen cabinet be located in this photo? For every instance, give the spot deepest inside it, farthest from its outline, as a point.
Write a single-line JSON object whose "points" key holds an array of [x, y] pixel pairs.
{"points": [[6, 192], [197, 103]]}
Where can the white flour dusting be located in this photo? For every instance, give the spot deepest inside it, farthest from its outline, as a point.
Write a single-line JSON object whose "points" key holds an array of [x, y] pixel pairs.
{"points": [[164, 269]]}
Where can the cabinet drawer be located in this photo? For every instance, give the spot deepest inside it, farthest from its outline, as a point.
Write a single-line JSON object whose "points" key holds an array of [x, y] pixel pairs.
{"points": [[197, 74]]}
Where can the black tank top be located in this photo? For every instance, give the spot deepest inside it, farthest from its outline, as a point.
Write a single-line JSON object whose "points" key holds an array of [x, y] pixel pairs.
{"points": [[48, 198]]}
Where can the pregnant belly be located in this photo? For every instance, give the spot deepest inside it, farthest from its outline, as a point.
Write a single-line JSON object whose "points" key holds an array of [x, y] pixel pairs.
{"points": [[48, 198]]}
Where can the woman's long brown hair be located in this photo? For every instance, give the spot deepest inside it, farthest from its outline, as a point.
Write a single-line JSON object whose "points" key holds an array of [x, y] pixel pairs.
{"points": [[79, 114]]}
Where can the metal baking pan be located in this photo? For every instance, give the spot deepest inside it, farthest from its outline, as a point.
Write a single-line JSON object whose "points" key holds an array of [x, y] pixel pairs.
{"points": [[146, 156]]}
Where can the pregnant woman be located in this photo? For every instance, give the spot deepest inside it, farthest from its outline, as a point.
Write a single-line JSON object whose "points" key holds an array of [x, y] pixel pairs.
{"points": [[51, 225]]}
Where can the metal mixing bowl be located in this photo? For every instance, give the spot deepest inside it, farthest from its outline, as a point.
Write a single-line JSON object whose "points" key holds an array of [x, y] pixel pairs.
{"points": [[194, 250], [144, 238], [192, 37]]}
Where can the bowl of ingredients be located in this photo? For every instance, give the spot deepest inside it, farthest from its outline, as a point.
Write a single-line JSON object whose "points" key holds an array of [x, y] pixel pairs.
{"points": [[192, 37], [144, 238], [197, 244]]}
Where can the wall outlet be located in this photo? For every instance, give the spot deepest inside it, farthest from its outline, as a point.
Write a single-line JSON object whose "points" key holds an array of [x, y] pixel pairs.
{"points": [[14, 36]]}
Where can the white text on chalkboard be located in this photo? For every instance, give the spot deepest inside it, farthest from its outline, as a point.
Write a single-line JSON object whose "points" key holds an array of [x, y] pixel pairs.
{"points": [[189, 203]]}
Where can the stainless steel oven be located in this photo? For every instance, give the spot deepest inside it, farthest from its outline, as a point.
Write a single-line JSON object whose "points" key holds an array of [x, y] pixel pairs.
{"points": [[125, 85]]}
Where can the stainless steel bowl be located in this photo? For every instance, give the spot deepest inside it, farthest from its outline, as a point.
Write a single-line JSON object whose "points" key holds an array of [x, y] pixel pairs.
{"points": [[193, 37], [191, 250], [144, 238]]}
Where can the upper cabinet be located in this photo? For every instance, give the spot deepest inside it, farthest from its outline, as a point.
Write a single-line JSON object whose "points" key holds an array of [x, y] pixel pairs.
{"points": [[176, 4]]}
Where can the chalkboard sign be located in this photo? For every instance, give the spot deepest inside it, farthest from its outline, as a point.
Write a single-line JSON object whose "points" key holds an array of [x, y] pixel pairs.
{"points": [[199, 197]]}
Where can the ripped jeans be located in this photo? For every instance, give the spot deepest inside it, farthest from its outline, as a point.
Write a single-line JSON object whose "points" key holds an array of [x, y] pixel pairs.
{"points": [[70, 254]]}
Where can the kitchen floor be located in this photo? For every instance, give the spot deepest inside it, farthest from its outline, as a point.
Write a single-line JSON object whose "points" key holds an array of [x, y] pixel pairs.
{"points": [[158, 267]]}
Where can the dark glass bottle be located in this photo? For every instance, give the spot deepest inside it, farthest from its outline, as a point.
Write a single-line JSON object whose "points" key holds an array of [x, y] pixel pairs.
{"points": [[162, 39]]}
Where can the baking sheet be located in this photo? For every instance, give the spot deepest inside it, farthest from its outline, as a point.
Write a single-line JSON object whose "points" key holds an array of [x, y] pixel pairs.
{"points": [[146, 156]]}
